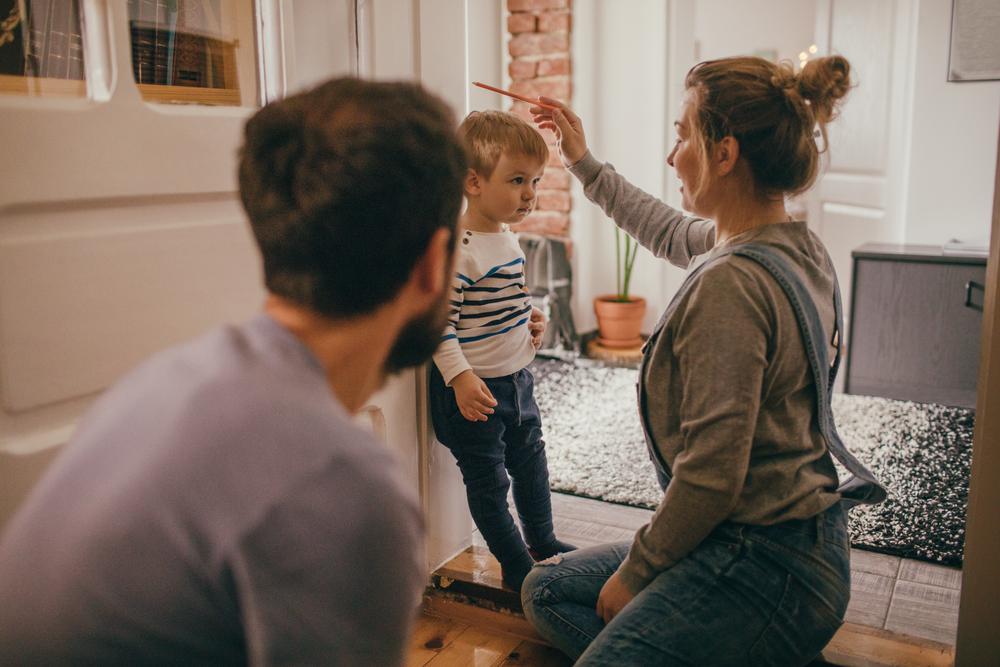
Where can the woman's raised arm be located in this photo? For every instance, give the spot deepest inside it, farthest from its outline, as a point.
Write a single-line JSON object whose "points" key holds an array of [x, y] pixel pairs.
{"points": [[660, 228]]}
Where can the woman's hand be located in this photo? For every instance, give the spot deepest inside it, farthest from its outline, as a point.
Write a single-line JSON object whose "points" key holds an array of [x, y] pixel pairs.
{"points": [[613, 598], [566, 125], [536, 326]]}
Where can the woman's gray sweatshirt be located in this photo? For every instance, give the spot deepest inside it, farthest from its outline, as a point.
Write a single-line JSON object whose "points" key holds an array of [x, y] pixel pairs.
{"points": [[730, 399]]}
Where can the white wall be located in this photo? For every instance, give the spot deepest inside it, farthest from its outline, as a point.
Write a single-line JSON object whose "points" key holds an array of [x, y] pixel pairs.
{"points": [[954, 142], [628, 84], [620, 92], [746, 28]]}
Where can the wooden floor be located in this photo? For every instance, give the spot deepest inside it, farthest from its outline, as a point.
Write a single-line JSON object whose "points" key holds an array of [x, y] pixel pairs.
{"points": [[441, 641], [887, 592], [902, 612]]}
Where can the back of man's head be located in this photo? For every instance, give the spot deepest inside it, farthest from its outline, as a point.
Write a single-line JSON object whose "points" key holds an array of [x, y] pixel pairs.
{"points": [[344, 186]]}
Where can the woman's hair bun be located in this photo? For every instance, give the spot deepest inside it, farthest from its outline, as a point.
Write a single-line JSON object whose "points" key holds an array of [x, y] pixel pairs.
{"points": [[824, 82]]}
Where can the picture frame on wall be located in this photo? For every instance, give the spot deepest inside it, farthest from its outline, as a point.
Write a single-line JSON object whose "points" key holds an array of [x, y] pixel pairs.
{"points": [[975, 49]]}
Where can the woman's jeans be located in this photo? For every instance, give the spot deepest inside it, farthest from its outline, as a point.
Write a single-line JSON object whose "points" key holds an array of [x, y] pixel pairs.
{"points": [[747, 595]]}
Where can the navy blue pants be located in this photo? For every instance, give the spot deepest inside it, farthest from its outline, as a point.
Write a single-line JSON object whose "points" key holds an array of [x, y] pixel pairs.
{"points": [[508, 446]]}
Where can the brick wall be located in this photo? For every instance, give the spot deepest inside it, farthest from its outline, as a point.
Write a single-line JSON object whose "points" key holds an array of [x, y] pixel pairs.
{"points": [[539, 39]]}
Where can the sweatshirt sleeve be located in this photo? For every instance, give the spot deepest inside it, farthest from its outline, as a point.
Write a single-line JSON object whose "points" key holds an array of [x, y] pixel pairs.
{"points": [[658, 227], [448, 357], [342, 589], [721, 343]]}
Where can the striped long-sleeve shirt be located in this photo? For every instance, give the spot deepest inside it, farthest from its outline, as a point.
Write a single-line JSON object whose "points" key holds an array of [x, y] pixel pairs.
{"points": [[488, 320]]}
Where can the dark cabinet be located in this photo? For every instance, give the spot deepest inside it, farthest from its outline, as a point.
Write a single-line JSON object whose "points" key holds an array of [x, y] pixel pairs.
{"points": [[916, 315]]}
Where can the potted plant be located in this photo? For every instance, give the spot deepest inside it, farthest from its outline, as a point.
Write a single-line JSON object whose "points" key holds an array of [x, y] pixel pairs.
{"points": [[619, 315]]}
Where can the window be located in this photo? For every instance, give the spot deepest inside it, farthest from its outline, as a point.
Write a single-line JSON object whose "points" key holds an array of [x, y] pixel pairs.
{"points": [[194, 51], [41, 48]]}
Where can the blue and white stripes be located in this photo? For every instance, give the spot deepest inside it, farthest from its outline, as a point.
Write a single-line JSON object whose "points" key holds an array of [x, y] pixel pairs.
{"points": [[490, 308]]}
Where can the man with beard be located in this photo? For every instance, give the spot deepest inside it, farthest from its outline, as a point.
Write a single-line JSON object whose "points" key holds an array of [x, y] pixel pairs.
{"points": [[218, 505]]}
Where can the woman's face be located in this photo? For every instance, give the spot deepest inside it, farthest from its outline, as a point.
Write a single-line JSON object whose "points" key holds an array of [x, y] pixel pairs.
{"points": [[685, 158]]}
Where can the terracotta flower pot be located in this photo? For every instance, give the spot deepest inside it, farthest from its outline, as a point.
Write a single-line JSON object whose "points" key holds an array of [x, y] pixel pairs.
{"points": [[619, 322]]}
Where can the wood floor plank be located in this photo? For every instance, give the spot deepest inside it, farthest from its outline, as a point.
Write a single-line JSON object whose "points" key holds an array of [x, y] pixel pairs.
{"points": [[430, 636], [870, 598], [475, 565], [475, 647], [588, 509], [931, 574], [875, 563], [921, 610], [530, 654], [859, 646], [585, 533], [501, 622]]}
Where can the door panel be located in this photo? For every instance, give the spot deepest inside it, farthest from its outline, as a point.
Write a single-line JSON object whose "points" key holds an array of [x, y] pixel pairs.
{"points": [[120, 234], [862, 31], [113, 292], [858, 196], [121, 231]]}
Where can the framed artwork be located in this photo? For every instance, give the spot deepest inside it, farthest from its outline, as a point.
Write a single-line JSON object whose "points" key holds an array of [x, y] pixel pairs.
{"points": [[975, 48], [41, 48]]}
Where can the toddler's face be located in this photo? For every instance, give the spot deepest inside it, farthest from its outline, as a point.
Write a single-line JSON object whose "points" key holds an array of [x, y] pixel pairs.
{"points": [[508, 195]]}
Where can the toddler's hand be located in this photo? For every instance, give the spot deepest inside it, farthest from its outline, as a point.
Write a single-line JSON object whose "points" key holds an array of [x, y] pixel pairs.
{"points": [[536, 327], [474, 399]]}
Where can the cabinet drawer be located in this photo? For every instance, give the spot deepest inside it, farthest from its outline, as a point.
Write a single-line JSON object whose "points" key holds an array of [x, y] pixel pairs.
{"points": [[915, 329]]}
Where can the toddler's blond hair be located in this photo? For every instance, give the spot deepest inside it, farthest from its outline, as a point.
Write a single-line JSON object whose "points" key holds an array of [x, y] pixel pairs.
{"points": [[486, 135]]}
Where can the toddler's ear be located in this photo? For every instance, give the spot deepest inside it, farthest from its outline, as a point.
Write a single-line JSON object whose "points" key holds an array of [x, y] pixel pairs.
{"points": [[473, 183]]}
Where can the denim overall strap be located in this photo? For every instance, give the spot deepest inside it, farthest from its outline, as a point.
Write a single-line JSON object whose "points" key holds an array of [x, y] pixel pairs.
{"points": [[663, 474], [861, 487]]}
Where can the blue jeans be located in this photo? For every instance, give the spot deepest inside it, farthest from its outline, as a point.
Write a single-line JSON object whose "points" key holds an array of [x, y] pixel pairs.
{"points": [[747, 595], [507, 446]]}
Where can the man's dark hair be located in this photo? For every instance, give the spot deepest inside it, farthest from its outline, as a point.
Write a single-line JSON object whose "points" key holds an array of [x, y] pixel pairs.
{"points": [[344, 186]]}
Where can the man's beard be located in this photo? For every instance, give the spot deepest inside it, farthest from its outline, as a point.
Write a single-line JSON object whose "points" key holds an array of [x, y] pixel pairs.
{"points": [[418, 340]]}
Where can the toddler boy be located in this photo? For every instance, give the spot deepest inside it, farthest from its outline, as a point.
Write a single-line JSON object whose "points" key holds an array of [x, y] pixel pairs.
{"points": [[481, 397]]}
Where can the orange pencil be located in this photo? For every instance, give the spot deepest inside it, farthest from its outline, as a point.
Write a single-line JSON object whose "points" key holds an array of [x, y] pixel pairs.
{"points": [[529, 100]]}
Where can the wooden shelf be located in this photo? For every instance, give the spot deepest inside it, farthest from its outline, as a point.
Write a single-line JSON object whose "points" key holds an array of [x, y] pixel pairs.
{"points": [[42, 86]]}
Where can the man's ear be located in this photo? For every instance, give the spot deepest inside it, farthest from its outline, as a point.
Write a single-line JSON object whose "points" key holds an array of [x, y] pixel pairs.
{"points": [[432, 272], [473, 183], [725, 155]]}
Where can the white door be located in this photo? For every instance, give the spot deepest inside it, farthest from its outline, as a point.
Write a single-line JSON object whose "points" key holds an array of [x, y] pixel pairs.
{"points": [[859, 198], [435, 42], [120, 229]]}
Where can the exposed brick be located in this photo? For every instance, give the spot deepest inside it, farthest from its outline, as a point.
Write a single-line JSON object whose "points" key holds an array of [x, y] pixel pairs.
{"points": [[522, 69], [539, 44], [520, 22], [546, 223], [557, 87], [553, 67], [553, 200], [555, 178], [536, 5], [553, 22], [534, 44]]}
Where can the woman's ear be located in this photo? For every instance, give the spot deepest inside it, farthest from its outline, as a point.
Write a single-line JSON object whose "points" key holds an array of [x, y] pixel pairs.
{"points": [[473, 183], [726, 154]]}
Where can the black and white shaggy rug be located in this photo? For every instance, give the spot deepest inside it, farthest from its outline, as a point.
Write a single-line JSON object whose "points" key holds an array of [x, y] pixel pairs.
{"points": [[921, 452]]}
